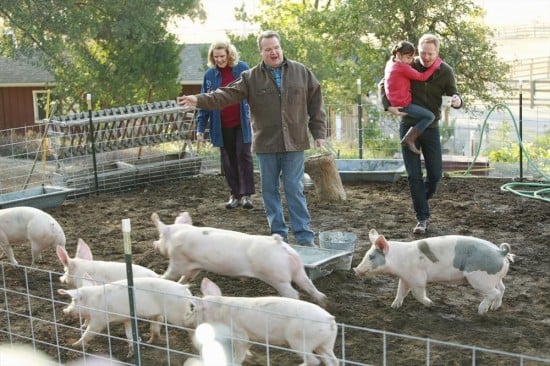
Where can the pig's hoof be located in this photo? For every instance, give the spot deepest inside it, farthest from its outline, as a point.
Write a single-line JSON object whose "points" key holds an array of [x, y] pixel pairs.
{"points": [[482, 309], [427, 302], [396, 304], [495, 304], [153, 338]]}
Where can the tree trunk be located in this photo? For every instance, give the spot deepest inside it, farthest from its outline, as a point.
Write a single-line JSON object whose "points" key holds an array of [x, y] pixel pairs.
{"points": [[322, 170]]}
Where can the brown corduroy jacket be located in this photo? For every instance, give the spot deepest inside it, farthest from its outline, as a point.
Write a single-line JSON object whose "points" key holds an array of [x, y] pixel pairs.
{"points": [[280, 118]]}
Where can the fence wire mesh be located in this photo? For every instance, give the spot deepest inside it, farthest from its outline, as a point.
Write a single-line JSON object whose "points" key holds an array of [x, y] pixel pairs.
{"points": [[31, 314], [481, 142]]}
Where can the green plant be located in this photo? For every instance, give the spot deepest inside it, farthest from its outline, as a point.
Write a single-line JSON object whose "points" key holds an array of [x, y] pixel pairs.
{"points": [[537, 150], [376, 144]]}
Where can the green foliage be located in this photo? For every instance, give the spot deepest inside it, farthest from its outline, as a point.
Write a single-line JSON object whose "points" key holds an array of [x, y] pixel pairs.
{"points": [[343, 40], [120, 52], [345, 149], [538, 150], [376, 144]]}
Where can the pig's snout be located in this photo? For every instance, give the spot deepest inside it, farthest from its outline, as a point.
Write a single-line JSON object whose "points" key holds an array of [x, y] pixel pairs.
{"points": [[362, 271], [68, 310]]}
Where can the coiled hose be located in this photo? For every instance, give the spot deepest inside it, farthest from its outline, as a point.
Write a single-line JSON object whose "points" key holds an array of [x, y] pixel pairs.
{"points": [[539, 191]]}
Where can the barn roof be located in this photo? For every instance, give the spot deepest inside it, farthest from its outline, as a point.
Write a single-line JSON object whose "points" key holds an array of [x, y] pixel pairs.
{"points": [[21, 72], [193, 63]]}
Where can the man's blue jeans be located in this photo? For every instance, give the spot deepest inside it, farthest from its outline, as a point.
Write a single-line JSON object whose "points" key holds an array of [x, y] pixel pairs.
{"points": [[422, 190], [289, 166]]}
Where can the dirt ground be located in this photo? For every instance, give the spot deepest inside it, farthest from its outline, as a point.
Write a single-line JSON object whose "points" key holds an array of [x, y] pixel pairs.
{"points": [[467, 206]]}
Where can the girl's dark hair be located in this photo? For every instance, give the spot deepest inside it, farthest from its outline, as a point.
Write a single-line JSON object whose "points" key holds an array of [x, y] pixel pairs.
{"points": [[404, 48]]}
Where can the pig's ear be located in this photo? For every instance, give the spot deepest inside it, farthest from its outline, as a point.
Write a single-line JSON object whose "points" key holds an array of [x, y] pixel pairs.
{"points": [[83, 251], [62, 255], [210, 288], [156, 220], [71, 293], [382, 244], [184, 218], [373, 235]]}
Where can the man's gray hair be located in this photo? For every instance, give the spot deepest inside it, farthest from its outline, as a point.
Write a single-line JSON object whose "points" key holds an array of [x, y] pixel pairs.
{"points": [[429, 38]]}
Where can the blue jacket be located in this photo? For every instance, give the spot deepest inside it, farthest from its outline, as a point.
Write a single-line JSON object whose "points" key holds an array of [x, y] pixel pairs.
{"points": [[211, 81]]}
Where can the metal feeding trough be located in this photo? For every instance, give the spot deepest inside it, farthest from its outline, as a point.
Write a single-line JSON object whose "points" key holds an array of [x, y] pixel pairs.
{"points": [[39, 197], [335, 253], [372, 170]]}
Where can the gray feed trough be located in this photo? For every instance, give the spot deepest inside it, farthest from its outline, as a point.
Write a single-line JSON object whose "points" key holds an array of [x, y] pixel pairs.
{"points": [[372, 170], [39, 197], [335, 253]]}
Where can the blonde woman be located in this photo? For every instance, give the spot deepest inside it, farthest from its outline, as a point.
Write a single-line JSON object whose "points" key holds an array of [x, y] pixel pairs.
{"points": [[229, 127]]}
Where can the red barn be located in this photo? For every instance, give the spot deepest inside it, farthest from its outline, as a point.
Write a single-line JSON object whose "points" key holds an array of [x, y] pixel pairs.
{"points": [[23, 86], [23, 91]]}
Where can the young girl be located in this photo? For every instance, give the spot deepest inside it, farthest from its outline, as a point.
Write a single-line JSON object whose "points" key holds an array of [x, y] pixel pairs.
{"points": [[397, 85]]}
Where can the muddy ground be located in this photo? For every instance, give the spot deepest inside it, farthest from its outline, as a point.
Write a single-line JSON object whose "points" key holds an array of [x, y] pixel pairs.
{"points": [[467, 206]]}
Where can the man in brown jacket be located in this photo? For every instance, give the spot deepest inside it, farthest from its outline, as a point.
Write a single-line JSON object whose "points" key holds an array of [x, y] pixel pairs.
{"points": [[285, 101]]}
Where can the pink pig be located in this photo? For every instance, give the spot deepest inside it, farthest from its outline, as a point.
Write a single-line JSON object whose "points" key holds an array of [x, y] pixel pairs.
{"points": [[451, 258], [155, 298], [307, 328], [231, 253], [20, 224], [100, 271]]}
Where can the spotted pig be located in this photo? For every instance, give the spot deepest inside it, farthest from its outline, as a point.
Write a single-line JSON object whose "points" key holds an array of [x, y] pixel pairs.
{"points": [[450, 259]]}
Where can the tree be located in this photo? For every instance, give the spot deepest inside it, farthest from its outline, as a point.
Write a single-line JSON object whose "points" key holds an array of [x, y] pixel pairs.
{"points": [[119, 51], [342, 40]]}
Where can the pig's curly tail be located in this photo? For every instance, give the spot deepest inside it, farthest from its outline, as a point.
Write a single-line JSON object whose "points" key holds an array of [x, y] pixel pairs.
{"points": [[506, 249]]}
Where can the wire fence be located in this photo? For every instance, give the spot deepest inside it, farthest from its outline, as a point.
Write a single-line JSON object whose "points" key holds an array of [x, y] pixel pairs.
{"points": [[31, 314], [479, 142], [482, 143]]}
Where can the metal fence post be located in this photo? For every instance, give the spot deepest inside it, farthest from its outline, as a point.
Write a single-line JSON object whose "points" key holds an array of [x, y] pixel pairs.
{"points": [[360, 118], [130, 282], [92, 140]]}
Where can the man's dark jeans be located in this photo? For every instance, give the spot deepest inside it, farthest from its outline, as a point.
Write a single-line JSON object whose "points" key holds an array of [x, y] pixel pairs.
{"points": [[422, 190]]}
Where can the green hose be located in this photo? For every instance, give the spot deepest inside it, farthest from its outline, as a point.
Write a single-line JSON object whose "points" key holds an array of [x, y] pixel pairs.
{"points": [[536, 193], [517, 187]]}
